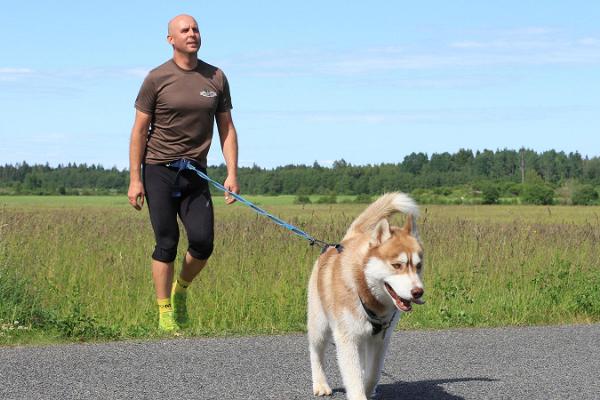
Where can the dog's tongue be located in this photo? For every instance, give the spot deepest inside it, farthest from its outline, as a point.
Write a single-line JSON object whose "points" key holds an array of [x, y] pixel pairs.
{"points": [[401, 304]]}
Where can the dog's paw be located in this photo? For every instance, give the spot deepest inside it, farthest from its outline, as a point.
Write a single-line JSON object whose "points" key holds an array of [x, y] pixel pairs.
{"points": [[321, 389]]}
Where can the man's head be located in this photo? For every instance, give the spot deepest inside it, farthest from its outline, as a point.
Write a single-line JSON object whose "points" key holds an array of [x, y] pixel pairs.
{"points": [[184, 34]]}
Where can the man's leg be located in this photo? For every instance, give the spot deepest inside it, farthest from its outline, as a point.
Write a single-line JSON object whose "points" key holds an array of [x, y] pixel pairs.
{"points": [[158, 183], [162, 274], [190, 268], [196, 213]]}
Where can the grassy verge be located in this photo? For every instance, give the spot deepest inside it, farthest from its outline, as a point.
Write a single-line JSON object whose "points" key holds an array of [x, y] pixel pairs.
{"points": [[73, 270]]}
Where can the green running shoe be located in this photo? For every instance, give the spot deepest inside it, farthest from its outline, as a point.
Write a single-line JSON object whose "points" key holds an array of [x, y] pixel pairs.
{"points": [[167, 323], [179, 303]]}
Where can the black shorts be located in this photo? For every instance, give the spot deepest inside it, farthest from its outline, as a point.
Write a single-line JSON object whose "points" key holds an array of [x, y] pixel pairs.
{"points": [[186, 195]]}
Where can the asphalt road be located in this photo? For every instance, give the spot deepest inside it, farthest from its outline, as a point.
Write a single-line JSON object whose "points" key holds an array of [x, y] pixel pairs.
{"points": [[509, 363]]}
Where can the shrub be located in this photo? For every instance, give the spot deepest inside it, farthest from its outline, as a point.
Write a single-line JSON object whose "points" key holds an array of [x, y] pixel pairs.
{"points": [[490, 193], [537, 193], [585, 195], [511, 189], [363, 199], [421, 195], [442, 191], [302, 199], [329, 199]]}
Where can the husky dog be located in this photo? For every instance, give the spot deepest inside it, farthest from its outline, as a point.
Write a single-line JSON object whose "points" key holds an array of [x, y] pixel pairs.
{"points": [[358, 291]]}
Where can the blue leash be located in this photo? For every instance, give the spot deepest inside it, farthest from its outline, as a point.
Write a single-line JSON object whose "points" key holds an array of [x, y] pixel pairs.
{"points": [[187, 164]]}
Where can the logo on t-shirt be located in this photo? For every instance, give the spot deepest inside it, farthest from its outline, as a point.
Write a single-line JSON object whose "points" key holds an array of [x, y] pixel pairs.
{"points": [[208, 93]]}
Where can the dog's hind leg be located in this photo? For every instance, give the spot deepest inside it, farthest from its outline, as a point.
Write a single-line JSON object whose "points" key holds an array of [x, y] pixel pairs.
{"points": [[317, 343]]}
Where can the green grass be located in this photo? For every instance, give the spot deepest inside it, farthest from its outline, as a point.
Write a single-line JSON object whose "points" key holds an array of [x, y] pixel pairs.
{"points": [[117, 201], [62, 201], [77, 268]]}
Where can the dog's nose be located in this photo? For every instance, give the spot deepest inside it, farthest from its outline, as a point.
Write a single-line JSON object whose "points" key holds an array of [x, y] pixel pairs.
{"points": [[417, 293]]}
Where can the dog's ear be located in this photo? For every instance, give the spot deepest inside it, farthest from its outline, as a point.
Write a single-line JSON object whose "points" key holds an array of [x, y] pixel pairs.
{"points": [[411, 226], [381, 233]]}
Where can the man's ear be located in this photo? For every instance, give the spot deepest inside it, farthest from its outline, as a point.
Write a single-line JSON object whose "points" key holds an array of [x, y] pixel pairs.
{"points": [[381, 233]]}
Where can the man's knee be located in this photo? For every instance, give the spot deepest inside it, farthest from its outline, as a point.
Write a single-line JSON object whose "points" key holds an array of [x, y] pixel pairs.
{"points": [[163, 254], [201, 250]]}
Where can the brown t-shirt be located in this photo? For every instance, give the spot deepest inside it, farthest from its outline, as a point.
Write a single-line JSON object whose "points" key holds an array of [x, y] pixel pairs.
{"points": [[182, 105]]}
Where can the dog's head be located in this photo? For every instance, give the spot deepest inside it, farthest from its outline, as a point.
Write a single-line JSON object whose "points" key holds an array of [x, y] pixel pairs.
{"points": [[394, 265]]}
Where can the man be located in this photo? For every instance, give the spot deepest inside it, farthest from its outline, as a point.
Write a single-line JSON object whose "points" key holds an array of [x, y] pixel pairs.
{"points": [[175, 113]]}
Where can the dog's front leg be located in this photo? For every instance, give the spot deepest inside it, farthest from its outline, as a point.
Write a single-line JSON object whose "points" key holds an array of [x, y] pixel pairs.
{"points": [[376, 349], [374, 363], [349, 360]]}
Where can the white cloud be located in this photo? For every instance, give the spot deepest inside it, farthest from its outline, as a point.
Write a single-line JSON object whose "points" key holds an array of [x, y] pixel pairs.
{"points": [[13, 74], [8, 74], [530, 31], [506, 44], [589, 41], [516, 47], [428, 116], [137, 72], [19, 71]]}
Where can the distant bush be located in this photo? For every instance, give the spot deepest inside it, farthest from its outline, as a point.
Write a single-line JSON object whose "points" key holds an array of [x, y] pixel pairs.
{"points": [[302, 199], [419, 195], [363, 199], [537, 193], [418, 192], [585, 195], [442, 191], [508, 201], [490, 194], [512, 189], [329, 199]]}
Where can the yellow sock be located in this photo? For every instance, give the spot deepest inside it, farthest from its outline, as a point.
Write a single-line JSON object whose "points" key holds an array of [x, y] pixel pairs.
{"points": [[181, 285], [164, 305]]}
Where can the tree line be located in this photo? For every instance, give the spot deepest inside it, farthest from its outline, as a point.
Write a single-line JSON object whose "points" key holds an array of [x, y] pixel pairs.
{"points": [[508, 172]]}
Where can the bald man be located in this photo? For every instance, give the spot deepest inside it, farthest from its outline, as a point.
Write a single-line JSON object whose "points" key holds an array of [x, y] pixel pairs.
{"points": [[176, 108]]}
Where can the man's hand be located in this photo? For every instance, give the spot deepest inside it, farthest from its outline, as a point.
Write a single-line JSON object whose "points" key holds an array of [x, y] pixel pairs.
{"points": [[231, 184], [136, 195], [228, 137], [139, 132]]}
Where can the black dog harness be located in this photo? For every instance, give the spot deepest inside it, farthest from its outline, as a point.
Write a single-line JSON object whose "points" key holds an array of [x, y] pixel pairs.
{"points": [[379, 324]]}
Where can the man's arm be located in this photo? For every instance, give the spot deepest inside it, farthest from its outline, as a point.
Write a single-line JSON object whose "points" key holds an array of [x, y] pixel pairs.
{"points": [[229, 145], [137, 145]]}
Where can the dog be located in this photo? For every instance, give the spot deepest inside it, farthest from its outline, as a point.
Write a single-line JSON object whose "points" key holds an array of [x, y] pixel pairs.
{"points": [[358, 291]]}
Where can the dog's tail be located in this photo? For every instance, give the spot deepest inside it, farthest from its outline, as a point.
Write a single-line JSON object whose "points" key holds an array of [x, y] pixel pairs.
{"points": [[383, 207]]}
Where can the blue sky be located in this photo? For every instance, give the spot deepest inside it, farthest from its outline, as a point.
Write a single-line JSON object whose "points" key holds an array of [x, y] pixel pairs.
{"points": [[311, 80]]}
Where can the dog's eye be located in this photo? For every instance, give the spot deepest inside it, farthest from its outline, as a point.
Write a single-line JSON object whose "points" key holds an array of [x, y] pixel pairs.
{"points": [[419, 266], [398, 265]]}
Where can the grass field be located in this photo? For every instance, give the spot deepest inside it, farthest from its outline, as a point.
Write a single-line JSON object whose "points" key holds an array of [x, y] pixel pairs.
{"points": [[77, 268]]}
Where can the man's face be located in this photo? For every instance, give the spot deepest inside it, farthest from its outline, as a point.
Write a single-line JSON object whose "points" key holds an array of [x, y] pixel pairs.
{"points": [[184, 34]]}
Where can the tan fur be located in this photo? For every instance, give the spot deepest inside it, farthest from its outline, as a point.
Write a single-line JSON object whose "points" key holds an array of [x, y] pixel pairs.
{"points": [[340, 281]]}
